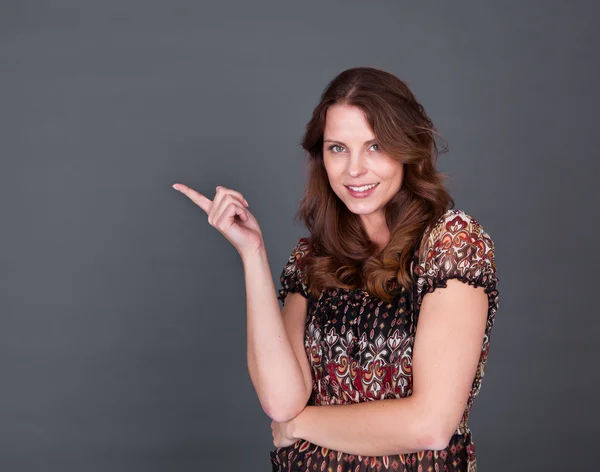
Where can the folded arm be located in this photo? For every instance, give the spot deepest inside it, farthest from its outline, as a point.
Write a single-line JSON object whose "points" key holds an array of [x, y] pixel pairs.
{"points": [[446, 353]]}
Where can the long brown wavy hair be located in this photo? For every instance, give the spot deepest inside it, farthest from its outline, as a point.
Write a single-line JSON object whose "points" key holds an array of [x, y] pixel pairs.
{"points": [[341, 253]]}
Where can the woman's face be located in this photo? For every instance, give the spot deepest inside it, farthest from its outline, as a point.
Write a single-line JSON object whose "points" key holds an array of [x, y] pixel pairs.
{"points": [[352, 158]]}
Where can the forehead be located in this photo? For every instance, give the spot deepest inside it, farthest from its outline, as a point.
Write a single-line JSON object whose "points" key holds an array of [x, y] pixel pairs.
{"points": [[347, 123]]}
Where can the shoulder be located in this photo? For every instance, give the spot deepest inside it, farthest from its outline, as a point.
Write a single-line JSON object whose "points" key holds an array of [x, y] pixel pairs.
{"points": [[456, 227], [456, 242], [457, 247], [299, 252], [297, 258], [293, 275]]}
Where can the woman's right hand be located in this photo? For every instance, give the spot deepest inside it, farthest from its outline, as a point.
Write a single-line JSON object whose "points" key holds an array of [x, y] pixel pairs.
{"points": [[229, 214]]}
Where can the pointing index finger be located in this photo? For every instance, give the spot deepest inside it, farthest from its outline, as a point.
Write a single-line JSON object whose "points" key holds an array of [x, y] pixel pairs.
{"points": [[194, 196]]}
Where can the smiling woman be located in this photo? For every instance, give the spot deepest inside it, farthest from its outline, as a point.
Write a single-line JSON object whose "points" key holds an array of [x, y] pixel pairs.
{"points": [[391, 373], [380, 348], [357, 168]]}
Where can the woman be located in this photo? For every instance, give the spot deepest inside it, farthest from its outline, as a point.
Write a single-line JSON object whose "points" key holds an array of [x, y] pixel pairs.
{"points": [[350, 382]]}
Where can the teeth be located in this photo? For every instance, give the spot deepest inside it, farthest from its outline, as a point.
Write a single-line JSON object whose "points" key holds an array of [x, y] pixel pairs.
{"points": [[361, 189]]}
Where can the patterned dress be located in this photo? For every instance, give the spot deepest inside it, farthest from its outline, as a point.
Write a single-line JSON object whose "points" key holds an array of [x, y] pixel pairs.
{"points": [[360, 348]]}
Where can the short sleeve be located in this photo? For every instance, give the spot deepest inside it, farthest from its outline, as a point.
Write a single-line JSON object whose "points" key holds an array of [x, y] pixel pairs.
{"points": [[457, 247], [293, 275]]}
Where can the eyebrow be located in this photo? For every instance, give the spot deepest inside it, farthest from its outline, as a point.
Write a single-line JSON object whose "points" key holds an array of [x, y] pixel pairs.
{"points": [[340, 142]]}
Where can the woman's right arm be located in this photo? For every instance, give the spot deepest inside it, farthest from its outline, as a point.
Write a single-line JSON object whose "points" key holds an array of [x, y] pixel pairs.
{"points": [[277, 361]]}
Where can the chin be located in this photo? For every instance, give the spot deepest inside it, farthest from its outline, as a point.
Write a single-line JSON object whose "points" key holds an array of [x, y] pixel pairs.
{"points": [[361, 209]]}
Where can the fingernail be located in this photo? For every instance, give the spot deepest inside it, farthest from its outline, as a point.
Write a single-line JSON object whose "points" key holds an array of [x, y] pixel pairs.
{"points": [[246, 201], [175, 187]]}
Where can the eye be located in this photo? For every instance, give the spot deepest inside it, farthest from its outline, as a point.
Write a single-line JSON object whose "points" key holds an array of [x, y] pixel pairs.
{"points": [[333, 146], [376, 145]]}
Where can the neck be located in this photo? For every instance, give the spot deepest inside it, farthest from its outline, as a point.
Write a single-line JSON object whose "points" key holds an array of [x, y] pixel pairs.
{"points": [[376, 229]]}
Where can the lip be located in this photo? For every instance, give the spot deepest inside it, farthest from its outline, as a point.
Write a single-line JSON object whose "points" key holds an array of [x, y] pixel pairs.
{"points": [[360, 185], [364, 194]]}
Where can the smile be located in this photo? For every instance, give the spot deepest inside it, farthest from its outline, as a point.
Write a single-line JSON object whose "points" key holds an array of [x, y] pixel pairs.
{"points": [[362, 191], [362, 188]]}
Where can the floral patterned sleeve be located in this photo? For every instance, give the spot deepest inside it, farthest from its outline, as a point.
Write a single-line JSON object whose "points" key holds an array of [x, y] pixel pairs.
{"points": [[458, 247], [293, 276]]}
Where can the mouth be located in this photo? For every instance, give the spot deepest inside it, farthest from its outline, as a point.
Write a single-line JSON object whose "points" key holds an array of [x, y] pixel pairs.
{"points": [[361, 188], [362, 191]]}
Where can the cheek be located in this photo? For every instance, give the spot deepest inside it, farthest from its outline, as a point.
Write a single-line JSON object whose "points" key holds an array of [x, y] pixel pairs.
{"points": [[392, 177], [398, 174], [334, 174], [393, 173]]}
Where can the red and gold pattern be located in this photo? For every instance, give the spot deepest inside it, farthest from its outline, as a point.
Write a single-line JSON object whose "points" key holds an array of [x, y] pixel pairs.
{"points": [[360, 348]]}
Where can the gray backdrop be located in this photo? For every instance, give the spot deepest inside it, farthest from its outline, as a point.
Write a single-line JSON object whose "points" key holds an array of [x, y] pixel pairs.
{"points": [[122, 343]]}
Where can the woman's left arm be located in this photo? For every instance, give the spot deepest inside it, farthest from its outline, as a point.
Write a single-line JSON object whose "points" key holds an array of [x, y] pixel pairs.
{"points": [[446, 353]]}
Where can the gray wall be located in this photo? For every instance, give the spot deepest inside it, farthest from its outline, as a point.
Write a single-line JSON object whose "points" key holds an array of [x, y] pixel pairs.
{"points": [[122, 342]]}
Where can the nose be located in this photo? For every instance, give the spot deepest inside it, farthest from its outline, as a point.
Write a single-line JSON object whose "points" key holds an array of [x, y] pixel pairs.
{"points": [[356, 165]]}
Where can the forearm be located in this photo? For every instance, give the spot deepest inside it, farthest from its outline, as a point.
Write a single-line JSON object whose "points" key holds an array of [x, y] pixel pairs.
{"points": [[272, 363], [373, 428]]}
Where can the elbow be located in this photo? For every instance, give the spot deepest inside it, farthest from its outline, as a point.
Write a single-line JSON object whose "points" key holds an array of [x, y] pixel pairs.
{"points": [[285, 409], [437, 440], [436, 429], [283, 412], [433, 438], [281, 415]]}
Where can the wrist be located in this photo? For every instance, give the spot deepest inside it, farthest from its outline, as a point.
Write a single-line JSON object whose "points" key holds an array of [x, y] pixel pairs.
{"points": [[298, 425], [254, 255]]}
